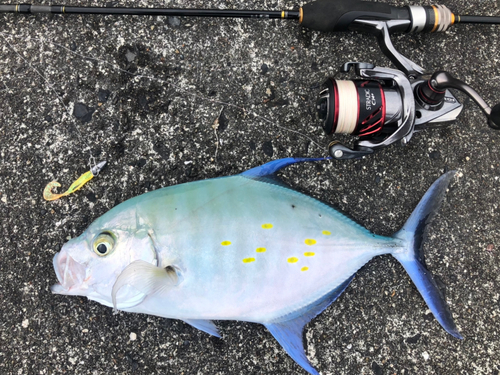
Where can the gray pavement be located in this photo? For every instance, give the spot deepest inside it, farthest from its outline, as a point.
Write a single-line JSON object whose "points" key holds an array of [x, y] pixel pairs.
{"points": [[143, 94]]}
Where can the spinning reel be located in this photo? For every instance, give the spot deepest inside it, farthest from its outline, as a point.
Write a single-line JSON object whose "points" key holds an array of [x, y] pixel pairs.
{"points": [[387, 105]]}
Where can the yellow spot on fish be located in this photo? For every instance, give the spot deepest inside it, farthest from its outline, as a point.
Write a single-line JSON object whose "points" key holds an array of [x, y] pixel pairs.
{"points": [[309, 254], [292, 260], [248, 260], [267, 226], [304, 268], [261, 250], [326, 232], [310, 241], [225, 243]]}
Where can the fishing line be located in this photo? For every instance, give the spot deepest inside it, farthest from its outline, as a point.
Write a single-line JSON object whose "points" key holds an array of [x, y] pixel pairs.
{"points": [[48, 84], [48, 193], [159, 80]]}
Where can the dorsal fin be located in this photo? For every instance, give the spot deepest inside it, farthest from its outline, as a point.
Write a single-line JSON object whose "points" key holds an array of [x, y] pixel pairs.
{"points": [[288, 330], [267, 173], [274, 166]]}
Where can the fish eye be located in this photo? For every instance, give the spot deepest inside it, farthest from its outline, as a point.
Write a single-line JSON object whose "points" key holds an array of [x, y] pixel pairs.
{"points": [[104, 244]]}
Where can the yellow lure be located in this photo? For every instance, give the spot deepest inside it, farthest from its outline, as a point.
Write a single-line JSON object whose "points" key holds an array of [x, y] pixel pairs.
{"points": [[48, 195]]}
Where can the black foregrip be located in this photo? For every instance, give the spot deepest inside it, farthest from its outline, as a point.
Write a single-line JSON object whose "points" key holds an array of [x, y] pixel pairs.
{"points": [[337, 15]]}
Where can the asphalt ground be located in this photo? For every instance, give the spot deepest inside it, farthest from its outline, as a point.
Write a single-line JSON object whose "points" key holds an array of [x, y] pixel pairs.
{"points": [[143, 93]]}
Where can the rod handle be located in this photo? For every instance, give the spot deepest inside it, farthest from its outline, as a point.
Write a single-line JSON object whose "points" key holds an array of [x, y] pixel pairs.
{"points": [[337, 15]]}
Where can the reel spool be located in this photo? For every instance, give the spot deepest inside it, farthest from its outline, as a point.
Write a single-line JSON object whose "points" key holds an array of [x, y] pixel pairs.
{"points": [[358, 107]]}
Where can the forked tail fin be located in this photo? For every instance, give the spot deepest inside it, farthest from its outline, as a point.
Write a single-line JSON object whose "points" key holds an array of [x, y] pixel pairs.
{"points": [[412, 258]]}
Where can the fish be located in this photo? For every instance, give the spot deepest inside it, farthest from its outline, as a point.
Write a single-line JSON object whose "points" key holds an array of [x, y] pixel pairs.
{"points": [[245, 247]]}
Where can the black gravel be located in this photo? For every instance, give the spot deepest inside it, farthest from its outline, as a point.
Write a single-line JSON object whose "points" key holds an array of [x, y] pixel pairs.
{"points": [[144, 94]]}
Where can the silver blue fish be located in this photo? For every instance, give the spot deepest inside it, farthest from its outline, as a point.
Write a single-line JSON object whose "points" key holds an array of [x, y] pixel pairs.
{"points": [[244, 247]]}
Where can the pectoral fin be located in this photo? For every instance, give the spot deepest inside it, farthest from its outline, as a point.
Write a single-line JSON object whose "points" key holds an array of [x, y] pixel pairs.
{"points": [[146, 278], [204, 325]]}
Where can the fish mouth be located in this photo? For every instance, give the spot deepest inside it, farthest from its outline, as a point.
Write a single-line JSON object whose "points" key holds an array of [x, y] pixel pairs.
{"points": [[70, 275]]}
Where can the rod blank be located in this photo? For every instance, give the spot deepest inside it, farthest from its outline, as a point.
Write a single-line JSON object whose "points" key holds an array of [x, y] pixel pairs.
{"points": [[63, 9], [479, 19]]}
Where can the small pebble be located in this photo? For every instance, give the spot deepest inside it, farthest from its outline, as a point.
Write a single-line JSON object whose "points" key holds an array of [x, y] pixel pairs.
{"points": [[83, 112], [25, 323], [130, 56], [174, 21], [133, 336], [103, 95]]}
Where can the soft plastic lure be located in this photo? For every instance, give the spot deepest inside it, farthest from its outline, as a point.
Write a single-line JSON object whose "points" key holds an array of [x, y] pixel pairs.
{"points": [[48, 195]]}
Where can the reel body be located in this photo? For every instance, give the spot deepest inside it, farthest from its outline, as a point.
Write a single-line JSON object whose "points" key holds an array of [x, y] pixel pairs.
{"points": [[387, 106]]}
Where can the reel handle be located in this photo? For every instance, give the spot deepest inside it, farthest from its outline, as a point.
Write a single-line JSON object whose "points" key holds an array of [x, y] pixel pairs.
{"points": [[443, 80]]}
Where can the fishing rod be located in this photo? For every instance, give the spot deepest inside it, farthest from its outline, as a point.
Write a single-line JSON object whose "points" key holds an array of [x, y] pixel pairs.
{"points": [[384, 107], [322, 15]]}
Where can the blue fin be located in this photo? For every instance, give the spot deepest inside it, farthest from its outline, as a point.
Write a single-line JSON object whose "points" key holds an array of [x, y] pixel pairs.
{"points": [[288, 329], [413, 234], [204, 325], [275, 165]]}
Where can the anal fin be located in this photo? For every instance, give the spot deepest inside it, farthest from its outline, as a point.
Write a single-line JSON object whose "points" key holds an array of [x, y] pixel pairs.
{"points": [[288, 330], [289, 335], [204, 325]]}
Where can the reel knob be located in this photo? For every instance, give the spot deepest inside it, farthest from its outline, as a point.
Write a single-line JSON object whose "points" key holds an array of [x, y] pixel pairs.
{"points": [[495, 117]]}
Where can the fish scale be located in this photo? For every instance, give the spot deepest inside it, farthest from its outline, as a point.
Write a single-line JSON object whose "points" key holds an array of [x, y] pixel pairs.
{"points": [[210, 224], [243, 247]]}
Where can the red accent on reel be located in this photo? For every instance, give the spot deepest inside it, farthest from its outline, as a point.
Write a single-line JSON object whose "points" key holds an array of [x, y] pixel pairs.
{"points": [[374, 109]]}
